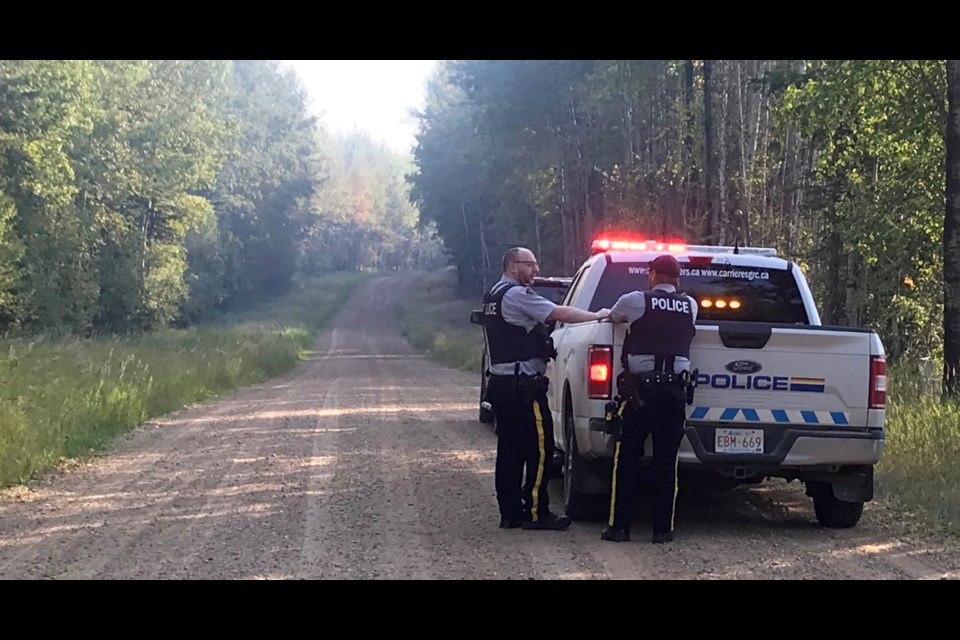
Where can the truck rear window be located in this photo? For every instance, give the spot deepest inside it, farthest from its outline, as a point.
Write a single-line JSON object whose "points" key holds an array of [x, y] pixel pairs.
{"points": [[723, 292], [553, 293]]}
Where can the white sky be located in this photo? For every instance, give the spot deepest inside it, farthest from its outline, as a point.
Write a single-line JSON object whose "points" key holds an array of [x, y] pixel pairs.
{"points": [[372, 95]]}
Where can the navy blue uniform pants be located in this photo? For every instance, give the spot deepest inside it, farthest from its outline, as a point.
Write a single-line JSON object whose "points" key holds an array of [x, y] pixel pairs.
{"points": [[662, 414], [524, 448]]}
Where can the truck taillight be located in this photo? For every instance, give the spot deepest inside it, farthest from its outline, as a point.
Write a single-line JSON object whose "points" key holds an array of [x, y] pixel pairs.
{"points": [[878, 382], [600, 371]]}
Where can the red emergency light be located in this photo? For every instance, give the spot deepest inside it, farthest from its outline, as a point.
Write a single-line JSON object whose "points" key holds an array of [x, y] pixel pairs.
{"points": [[622, 244]]}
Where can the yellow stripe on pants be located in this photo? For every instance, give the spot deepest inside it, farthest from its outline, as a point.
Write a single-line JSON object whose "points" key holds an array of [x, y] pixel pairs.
{"points": [[673, 506], [534, 513], [613, 488]]}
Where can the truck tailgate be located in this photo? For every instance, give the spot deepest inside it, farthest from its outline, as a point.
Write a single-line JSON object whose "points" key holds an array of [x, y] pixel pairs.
{"points": [[757, 373]]}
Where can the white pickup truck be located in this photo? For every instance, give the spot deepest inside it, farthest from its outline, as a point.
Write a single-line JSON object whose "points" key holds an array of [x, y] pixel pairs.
{"points": [[778, 394]]}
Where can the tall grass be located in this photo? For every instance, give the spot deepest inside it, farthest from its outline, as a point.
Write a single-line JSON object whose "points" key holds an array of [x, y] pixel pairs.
{"points": [[919, 473], [70, 397], [436, 320]]}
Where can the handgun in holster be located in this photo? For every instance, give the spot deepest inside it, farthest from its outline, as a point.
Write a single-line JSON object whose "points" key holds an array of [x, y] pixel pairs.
{"points": [[531, 387], [613, 416], [691, 384], [628, 389]]}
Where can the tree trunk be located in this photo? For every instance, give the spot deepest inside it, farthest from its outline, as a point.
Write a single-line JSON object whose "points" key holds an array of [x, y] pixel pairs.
{"points": [[627, 117], [951, 238], [833, 275], [793, 178], [581, 206], [566, 229], [758, 106], [763, 214], [721, 186], [485, 260], [852, 299], [744, 182], [689, 192], [711, 172]]}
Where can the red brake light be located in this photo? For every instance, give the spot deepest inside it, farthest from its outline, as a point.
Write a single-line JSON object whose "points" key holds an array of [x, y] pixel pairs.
{"points": [[700, 259], [600, 371], [878, 382]]}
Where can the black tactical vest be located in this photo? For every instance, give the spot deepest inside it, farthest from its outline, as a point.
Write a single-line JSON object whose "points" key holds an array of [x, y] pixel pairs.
{"points": [[508, 342], [665, 328]]}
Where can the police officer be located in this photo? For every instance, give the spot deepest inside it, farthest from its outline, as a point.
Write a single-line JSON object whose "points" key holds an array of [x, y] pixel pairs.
{"points": [[657, 354], [518, 345]]}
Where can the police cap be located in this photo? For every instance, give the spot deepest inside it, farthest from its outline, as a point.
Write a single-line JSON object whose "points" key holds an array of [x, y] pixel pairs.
{"points": [[666, 265]]}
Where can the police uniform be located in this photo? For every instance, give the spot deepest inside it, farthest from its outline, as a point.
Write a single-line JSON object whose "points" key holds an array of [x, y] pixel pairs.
{"points": [[517, 341], [658, 342]]}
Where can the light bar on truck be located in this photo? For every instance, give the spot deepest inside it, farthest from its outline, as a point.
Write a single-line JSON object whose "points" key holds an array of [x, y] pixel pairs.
{"points": [[747, 251], [620, 244], [601, 245]]}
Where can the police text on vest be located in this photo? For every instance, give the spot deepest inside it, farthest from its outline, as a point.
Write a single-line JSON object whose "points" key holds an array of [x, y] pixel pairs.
{"points": [[671, 304]]}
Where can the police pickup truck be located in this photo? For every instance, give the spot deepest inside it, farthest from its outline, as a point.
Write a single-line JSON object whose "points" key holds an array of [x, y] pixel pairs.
{"points": [[777, 394]]}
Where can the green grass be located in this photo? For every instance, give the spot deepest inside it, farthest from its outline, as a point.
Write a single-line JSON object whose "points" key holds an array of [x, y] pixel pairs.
{"points": [[918, 476], [68, 398], [437, 321]]}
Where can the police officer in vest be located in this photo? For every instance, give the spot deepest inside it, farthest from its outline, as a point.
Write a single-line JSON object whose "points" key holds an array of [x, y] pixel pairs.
{"points": [[653, 396], [519, 346]]}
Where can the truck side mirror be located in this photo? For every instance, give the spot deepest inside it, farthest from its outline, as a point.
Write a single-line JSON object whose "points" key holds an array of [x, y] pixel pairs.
{"points": [[476, 317]]}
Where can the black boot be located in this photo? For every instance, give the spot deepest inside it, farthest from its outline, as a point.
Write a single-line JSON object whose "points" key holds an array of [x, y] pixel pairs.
{"points": [[660, 538], [550, 522], [615, 534]]}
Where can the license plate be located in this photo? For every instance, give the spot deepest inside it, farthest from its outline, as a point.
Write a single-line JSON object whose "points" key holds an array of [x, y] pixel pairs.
{"points": [[738, 441]]}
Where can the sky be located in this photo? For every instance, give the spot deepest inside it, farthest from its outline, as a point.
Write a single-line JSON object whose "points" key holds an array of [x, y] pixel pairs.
{"points": [[371, 95]]}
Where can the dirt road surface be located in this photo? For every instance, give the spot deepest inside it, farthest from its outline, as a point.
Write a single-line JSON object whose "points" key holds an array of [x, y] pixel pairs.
{"points": [[368, 462]]}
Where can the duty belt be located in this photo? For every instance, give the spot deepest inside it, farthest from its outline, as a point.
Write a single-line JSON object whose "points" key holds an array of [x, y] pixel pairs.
{"points": [[630, 386], [652, 378], [530, 385]]}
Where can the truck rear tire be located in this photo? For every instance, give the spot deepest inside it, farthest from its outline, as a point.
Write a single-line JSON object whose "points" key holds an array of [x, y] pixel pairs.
{"points": [[578, 505], [831, 511]]}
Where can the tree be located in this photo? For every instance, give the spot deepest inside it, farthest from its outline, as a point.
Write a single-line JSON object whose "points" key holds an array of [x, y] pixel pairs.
{"points": [[262, 194], [951, 237]]}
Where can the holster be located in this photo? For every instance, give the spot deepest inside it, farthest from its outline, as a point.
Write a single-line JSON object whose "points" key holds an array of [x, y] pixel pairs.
{"points": [[613, 417], [531, 387], [628, 388], [692, 384]]}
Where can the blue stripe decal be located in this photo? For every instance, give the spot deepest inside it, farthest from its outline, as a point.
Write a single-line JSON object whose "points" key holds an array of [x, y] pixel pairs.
{"points": [[815, 388], [729, 414], [779, 415]]}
